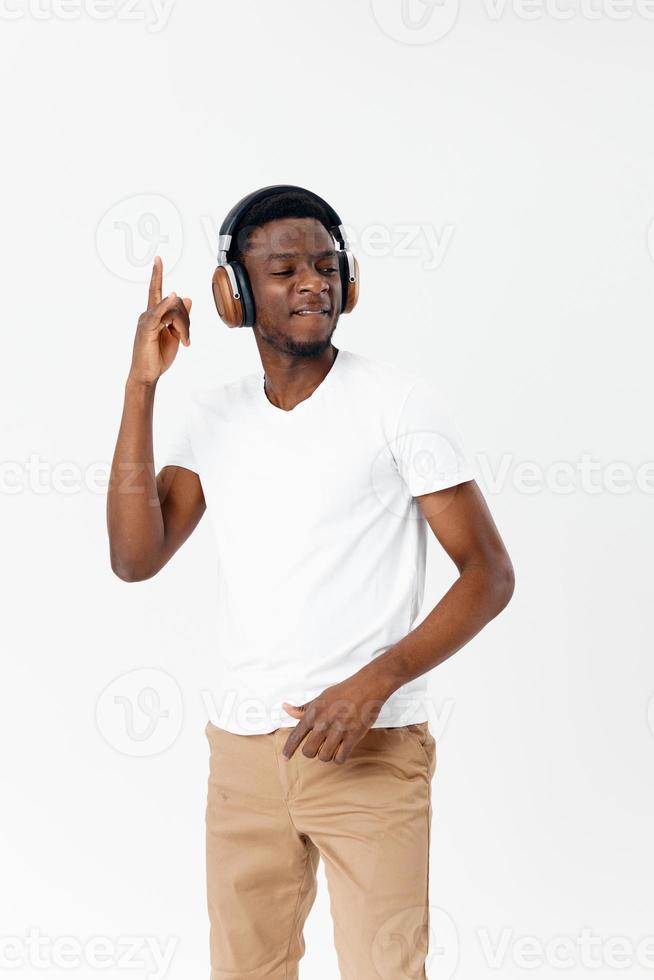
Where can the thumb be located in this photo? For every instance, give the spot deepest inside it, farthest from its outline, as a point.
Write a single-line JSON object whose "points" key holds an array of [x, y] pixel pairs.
{"points": [[188, 303], [292, 710]]}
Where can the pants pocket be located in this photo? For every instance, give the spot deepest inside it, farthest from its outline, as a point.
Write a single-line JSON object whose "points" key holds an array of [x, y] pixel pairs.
{"points": [[420, 733]]}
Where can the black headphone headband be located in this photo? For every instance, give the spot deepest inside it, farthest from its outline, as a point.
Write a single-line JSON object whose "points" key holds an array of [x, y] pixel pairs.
{"points": [[231, 285], [231, 222]]}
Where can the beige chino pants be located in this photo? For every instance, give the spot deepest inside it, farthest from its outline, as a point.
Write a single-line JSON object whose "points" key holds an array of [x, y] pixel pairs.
{"points": [[268, 822]]}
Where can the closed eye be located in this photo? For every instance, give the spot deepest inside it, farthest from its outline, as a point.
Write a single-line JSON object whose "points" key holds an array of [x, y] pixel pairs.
{"points": [[288, 272]]}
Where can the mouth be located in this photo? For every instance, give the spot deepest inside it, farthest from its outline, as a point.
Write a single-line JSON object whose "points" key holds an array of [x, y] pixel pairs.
{"points": [[308, 311]]}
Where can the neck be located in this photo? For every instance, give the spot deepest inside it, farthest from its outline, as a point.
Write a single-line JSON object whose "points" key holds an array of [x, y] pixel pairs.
{"points": [[289, 379]]}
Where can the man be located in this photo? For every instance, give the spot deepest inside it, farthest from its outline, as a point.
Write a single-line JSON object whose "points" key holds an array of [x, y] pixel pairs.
{"points": [[321, 477]]}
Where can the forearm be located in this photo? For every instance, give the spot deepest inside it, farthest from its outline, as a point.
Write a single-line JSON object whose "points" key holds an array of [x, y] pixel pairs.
{"points": [[476, 597], [134, 517]]}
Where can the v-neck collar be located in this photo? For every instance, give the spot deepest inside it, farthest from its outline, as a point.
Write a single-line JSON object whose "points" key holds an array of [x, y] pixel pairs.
{"points": [[306, 403]]}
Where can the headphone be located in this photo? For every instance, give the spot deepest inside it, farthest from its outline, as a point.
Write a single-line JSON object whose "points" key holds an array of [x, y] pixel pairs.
{"points": [[231, 287]]}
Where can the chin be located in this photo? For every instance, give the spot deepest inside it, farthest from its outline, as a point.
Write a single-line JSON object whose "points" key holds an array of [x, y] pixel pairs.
{"points": [[310, 346], [301, 342]]}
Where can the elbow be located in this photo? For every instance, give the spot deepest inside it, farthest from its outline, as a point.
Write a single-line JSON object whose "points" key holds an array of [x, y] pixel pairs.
{"points": [[132, 572], [124, 573], [134, 562], [504, 582], [495, 581]]}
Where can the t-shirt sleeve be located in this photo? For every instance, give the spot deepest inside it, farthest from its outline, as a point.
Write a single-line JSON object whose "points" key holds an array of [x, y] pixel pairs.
{"points": [[175, 445], [429, 450]]}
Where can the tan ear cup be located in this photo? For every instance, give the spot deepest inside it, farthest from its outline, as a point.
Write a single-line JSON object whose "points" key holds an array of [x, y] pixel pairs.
{"points": [[230, 310], [353, 289]]}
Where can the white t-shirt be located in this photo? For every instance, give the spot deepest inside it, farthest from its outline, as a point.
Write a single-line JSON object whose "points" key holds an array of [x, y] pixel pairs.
{"points": [[321, 545]]}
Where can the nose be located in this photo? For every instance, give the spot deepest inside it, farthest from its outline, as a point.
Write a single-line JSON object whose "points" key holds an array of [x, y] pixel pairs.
{"points": [[310, 280]]}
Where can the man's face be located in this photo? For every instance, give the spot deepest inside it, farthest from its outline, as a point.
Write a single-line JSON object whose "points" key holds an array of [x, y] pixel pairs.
{"points": [[292, 266]]}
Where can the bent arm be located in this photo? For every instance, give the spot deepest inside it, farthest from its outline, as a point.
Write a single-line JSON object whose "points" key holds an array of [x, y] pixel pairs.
{"points": [[148, 517], [463, 525]]}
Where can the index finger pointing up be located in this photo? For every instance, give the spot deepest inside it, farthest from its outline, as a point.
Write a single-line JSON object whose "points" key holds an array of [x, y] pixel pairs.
{"points": [[156, 282]]}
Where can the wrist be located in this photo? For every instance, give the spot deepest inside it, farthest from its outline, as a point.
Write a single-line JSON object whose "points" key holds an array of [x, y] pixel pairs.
{"points": [[134, 384], [381, 671]]}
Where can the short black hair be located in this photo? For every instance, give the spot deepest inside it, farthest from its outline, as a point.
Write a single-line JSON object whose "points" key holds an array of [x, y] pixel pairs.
{"points": [[286, 204]]}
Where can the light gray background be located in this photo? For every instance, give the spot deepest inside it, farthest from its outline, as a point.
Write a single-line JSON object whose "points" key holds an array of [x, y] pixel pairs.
{"points": [[521, 136]]}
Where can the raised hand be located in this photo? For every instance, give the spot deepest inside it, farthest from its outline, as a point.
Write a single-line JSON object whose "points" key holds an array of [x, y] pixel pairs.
{"points": [[159, 331]]}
